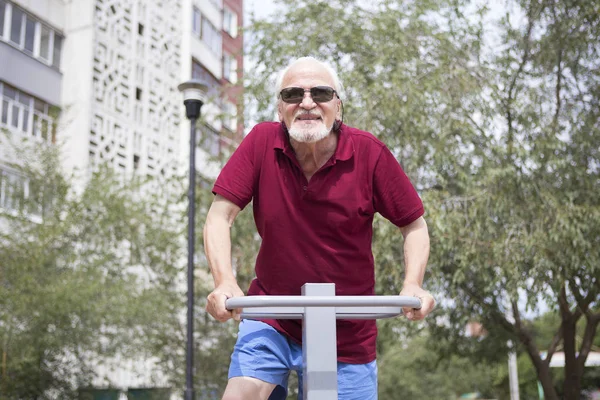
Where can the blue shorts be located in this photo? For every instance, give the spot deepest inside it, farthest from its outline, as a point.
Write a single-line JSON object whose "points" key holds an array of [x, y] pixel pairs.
{"points": [[263, 353]]}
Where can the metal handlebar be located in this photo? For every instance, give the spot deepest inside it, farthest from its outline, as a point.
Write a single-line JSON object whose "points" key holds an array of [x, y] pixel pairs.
{"points": [[319, 307], [346, 307]]}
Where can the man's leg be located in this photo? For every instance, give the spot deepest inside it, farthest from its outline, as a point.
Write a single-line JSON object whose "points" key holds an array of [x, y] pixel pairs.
{"points": [[243, 387], [357, 381], [259, 364]]}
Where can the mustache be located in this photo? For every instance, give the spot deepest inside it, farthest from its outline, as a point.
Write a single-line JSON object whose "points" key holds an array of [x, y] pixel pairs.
{"points": [[306, 112]]}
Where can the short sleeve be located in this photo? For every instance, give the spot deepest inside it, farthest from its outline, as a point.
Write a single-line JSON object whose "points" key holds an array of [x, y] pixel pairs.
{"points": [[394, 196], [237, 178]]}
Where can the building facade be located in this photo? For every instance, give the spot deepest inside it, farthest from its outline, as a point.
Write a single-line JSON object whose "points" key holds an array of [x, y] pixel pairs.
{"points": [[99, 78], [233, 66]]}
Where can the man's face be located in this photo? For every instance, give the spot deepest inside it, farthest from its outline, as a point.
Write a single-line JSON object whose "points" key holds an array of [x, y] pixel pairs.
{"points": [[308, 121]]}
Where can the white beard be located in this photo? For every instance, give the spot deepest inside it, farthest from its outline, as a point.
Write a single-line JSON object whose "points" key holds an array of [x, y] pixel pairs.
{"points": [[309, 134]]}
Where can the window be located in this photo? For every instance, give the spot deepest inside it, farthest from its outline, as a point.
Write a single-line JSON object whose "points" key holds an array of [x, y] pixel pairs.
{"points": [[9, 92], [29, 34], [56, 53], [26, 101], [212, 37], [24, 114], [229, 68], [204, 29], [199, 72], [20, 193], [196, 18], [210, 140], [12, 190], [2, 14], [230, 116], [230, 22], [4, 112], [15, 26], [45, 43]]}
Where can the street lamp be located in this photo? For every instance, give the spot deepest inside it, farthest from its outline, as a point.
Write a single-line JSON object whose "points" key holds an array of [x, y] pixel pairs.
{"points": [[194, 94]]}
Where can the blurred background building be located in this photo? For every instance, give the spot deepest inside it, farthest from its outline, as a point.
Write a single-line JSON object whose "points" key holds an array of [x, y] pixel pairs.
{"points": [[99, 78]]}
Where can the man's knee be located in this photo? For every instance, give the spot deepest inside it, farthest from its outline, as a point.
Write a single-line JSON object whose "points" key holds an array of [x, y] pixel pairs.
{"points": [[243, 388]]}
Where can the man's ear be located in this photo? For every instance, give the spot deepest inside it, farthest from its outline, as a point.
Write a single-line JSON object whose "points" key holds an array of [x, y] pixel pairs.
{"points": [[280, 111]]}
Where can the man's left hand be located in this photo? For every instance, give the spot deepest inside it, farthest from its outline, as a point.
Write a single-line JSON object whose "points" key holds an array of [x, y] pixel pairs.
{"points": [[427, 302]]}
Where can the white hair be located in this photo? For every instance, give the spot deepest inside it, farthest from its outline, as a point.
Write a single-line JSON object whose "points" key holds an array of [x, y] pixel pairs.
{"points": [[337, 85]]}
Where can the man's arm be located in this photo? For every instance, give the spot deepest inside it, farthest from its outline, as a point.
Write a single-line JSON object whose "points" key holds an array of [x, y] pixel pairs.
{"points": [[217, 246], [416, 254]]}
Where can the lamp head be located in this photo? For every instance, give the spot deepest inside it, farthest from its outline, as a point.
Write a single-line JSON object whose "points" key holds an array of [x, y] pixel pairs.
{"points": [[194, 96]]}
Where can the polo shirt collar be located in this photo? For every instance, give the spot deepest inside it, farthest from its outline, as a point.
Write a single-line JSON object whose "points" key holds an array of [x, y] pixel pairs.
{"points": [[343, 152]]}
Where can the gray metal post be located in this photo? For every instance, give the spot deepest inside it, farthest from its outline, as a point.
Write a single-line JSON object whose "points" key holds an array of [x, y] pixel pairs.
{"points": [[319, 346]]}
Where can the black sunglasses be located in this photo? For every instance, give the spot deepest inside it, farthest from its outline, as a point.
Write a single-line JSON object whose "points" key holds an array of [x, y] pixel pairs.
{"points": [[319, 94]]}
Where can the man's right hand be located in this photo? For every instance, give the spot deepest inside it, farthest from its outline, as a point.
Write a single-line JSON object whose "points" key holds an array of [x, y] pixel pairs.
{"points": [[216, 301]]}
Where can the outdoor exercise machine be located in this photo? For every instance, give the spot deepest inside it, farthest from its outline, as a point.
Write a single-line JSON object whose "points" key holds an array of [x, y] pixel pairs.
{"points": [[319, 307]]}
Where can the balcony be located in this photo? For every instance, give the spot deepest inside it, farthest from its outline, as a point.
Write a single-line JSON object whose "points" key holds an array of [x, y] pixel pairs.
{"points": [[27, 118]]}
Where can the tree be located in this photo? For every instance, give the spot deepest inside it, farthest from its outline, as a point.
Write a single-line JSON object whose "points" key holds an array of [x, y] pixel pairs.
{"points": [[524, 232], [402, 65], [85, 277], [430, 375], [501, 141], [215, 339]]}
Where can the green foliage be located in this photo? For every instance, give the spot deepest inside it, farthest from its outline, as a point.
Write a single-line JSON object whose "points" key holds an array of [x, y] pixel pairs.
{"points": [[496, 122], [93, 276], [522, 234], [412, 370], [216, 340], [406, 69]]}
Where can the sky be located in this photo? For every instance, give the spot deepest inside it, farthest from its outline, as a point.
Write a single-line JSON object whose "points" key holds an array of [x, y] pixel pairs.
{"points": [[260, 8]]}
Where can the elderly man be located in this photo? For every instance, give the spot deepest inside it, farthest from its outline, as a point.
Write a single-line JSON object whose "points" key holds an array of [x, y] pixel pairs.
{"points": [[316, 185]]}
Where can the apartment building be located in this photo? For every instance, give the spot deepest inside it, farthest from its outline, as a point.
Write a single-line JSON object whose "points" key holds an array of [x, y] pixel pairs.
{"points": [[30, 89], [99, 78], [233, 65]]}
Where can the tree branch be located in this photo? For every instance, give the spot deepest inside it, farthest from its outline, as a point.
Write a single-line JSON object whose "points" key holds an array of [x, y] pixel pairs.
{"points": [[588, 339], [523, 335], [482, 131], [554, 344], [491, 311], [575, 290], [516, 315], [583, 303], [513, 84], [558, 79], [563, 304]]}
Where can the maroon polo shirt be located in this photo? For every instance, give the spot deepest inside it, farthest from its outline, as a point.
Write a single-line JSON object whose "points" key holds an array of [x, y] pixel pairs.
{"points": [[319, 231]]}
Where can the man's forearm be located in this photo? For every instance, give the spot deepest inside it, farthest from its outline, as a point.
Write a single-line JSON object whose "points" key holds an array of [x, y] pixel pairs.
{"points": [[217, 246], [416, 251]]}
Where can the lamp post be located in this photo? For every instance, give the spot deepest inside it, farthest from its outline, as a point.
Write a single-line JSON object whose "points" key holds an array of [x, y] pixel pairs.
{"points": [[193, 97]]}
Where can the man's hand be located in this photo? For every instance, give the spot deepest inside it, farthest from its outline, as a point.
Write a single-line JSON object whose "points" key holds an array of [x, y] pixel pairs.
{"points": [[216, 301], [427, 301]]}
